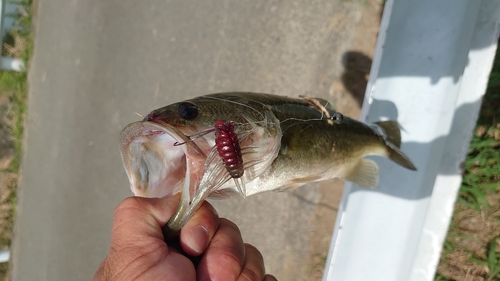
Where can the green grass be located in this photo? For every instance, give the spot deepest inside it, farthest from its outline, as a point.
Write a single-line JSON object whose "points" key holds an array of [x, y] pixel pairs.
{"points": [[483, 161], [478, 197], [14, 85]]}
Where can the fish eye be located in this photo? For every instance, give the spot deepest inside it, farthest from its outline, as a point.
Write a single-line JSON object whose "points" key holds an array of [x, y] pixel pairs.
{"points": [[188, 110], [337, 117]]}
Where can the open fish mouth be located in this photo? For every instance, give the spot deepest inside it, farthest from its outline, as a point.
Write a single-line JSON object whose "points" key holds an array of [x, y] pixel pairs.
{"points": [[162, 159], [155, 165]]}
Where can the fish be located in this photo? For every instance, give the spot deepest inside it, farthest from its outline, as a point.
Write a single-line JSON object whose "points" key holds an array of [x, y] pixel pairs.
{"points": [[278, 143]]}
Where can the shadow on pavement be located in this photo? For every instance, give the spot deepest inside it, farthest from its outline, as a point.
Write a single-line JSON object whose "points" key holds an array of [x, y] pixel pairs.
{"points": [[355, 76]]}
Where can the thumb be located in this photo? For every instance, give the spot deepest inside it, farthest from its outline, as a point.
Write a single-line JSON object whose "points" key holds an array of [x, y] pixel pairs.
{"points": [[138, 217]]}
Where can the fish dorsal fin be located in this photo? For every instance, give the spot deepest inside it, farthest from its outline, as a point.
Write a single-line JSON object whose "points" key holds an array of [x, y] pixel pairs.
{"points": [[365, 174], [391, 131], [392, 137]]}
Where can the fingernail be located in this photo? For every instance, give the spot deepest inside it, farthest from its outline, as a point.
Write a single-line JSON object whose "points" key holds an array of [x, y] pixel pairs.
{"points": [[199, 238]]}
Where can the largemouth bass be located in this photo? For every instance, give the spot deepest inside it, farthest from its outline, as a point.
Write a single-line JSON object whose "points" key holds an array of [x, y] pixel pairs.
{"points": [[246, 143]]}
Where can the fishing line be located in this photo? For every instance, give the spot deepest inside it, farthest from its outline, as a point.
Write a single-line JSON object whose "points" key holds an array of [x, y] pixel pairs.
{"points": [[335, 117], [235, 102], [195, 136], [314, 102]]}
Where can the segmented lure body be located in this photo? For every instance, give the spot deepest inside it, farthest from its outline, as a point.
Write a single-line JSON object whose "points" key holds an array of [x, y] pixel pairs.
{"points": [[229, 148]]}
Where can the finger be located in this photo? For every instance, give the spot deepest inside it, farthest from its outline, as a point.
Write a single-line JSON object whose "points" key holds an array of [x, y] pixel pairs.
{"points": [[199, 230], [102, 272], [270, 277], [136, 237], [225, 255], [253, 269], [137, 217]]}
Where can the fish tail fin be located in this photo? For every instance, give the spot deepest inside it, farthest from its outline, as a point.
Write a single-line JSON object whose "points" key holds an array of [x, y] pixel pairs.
{"points": [[392, 137], [364, 174]]}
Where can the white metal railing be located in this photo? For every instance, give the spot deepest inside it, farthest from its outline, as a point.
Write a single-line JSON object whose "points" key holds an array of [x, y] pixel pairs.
{"points": [[4, 256], [430, 72]]}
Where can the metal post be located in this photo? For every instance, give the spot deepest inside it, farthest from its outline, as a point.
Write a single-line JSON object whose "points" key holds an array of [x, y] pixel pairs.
{"points": [[7, 63]]}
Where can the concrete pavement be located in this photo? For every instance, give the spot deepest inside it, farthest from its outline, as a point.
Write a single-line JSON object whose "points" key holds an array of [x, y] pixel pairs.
{"points": [[98, 62]]}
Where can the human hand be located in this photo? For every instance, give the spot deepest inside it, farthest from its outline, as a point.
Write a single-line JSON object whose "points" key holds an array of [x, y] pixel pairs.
{"points": [[139, 252]]}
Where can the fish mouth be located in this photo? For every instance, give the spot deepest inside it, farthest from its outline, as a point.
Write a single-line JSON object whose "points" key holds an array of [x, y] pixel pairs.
{"points": [[155, 165], [162, 160]]}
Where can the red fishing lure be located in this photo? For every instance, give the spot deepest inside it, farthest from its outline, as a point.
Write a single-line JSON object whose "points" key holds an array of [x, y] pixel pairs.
{"points": [[229, 148]]}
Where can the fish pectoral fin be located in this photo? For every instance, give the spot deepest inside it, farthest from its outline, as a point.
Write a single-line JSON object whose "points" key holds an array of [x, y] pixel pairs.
{"points": [[307, 179], [240, 185], [222, 194], [288, 186], [365, 174], [299, 182]]}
